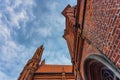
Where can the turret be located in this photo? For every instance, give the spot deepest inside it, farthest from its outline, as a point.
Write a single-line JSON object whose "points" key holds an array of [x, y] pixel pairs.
{"points": [[32, 65]]}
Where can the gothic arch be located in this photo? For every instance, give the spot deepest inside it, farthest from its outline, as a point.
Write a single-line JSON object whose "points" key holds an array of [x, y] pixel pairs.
{"points": [[98, 67]]}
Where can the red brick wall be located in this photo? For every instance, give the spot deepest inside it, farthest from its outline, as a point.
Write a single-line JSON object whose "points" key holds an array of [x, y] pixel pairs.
{"points": [[102, 27]]}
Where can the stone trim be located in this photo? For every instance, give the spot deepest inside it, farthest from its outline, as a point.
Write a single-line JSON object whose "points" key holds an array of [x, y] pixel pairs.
{"points": [[103, 60]]}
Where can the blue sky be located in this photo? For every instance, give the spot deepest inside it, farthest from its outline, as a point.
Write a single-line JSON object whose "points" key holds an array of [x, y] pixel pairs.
{"points": [[24, 26]]}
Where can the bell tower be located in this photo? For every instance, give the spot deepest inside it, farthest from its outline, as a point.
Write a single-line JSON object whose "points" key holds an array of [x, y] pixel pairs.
{"points": [[32, 65]]}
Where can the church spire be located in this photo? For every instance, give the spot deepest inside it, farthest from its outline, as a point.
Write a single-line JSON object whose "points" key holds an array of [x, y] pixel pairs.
{"points": [[32, 65], [38, 53]]}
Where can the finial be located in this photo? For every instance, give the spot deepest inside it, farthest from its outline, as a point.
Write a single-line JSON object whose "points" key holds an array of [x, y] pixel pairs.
{"points": [[42, 47], [43, 62]]}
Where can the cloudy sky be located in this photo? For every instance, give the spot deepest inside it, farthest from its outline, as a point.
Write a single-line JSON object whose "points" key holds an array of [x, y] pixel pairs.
{"points": [[24, 26]]}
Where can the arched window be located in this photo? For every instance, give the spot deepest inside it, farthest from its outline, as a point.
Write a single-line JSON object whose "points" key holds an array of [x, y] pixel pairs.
{"points": [[107, 74], [97, 69]]}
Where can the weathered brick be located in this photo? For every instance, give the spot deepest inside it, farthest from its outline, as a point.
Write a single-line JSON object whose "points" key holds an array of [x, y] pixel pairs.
{"points": [[119, 45], [118, 63], [103, 18], [117, 58]]}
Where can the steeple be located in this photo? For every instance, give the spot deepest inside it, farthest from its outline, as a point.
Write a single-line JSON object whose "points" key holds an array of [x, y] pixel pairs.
{"points": [[38, 53], [32, 65]]}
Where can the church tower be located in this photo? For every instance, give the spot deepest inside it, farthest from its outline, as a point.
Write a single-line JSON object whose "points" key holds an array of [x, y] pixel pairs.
{"points": [[32, 65]]}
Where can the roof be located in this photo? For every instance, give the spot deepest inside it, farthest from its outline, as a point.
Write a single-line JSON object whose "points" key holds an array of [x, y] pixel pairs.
{"points": [[54, 69]]}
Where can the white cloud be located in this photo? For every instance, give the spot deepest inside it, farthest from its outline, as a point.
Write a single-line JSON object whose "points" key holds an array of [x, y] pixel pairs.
{"points": [[54, 25], [53, 56], [4, 32], [57, 58], [13, 58], [53, 6], [0, 15], [13, 55], [3, 76], [45, 32], [19, 11], [16, 17]]}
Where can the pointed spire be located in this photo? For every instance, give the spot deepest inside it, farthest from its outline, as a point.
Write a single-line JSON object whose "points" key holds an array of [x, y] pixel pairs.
{"points": [[41, 47], [32, 65], [43, 62], [38, 53]]}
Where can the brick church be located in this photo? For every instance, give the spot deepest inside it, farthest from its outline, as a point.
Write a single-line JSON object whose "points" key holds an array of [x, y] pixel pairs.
{"points": [[92, 34]]}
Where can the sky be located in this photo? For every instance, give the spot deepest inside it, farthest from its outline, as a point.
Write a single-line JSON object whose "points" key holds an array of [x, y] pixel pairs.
{"points": [[24, 26]]}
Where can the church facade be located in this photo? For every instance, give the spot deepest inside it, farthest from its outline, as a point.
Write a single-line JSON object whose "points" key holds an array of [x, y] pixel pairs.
{"points": [[93, 37], [92, 34]]}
